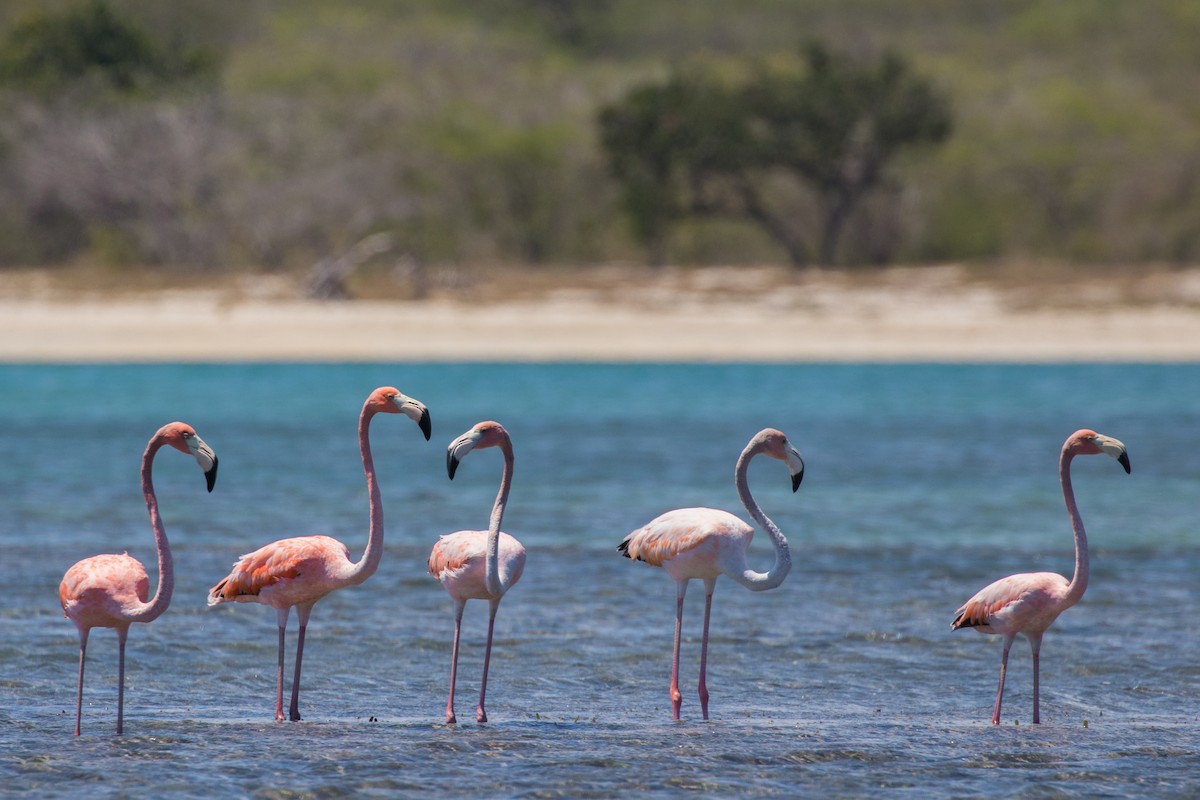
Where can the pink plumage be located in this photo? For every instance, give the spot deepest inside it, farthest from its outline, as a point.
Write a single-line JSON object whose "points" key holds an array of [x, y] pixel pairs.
{"points": [[705, 543], [111, 591], [1028, 603], [300, 571], [478, 565]]}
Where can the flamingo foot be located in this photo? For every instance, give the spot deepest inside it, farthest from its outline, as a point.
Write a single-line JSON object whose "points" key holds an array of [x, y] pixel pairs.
{"points": [[451, 719], [480, 715]]}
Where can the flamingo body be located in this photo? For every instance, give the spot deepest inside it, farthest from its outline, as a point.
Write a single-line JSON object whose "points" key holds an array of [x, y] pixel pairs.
{"points": [[286, 573], [706, 543], [478, 565], [104, 591], [701, 543], [113, 591], [299, 571], [459, 562], [1029, 602]]}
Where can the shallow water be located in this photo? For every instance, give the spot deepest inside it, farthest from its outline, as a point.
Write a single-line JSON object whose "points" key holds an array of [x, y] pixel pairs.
{"points": [[923, 483]]}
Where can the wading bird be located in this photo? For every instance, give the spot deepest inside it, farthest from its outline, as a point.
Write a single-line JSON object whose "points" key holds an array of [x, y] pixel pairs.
{"points": [[1029, 602], [706, 543], [479, 565], [300, 571], [109, 591]]}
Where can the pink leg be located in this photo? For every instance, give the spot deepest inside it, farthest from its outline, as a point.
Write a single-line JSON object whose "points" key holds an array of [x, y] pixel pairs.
{"points": [[676, 696], [708, 586], [459, 605], [281, 615], [1035, 644], [121, 634], [83, 639], [1008, 640], [302, 613], [480, 714]]}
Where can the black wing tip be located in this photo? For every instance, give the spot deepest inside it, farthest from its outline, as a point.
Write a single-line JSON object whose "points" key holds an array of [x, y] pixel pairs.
{"points": [[623, 549], [211, 475]]}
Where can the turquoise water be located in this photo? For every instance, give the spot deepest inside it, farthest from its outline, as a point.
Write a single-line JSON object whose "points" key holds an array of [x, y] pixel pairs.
{"points": [[924, 483]]}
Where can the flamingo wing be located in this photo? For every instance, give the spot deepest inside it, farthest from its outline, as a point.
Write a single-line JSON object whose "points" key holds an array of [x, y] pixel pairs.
{"points": [[277, 565], [455, 552]]}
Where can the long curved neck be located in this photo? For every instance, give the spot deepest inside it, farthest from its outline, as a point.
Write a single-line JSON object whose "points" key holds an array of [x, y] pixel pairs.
{"points": [[492, 562], [760, 581], [369, 562], [166, 566], [1079, 580]]}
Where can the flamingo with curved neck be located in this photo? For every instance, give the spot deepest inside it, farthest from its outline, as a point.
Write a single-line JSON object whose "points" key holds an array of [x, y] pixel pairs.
{"points": [[1029, 602], [479, 565], [109, 591], [706, 543], [300, 571]]}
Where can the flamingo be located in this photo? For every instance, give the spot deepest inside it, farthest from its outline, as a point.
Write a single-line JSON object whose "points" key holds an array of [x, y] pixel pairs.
{"points": [[109, 591], [479, 565], [301, 570], [1029, 602], [706, 543]]}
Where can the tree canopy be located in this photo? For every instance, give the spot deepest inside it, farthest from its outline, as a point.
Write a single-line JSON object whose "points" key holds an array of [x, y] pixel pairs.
{"points": [[692, 146]]}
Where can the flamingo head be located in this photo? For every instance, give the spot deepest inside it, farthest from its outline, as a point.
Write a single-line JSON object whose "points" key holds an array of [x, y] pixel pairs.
{"points": [[775, 444], [1089, 443], [483, 434], [390, 400], [183, 437]]}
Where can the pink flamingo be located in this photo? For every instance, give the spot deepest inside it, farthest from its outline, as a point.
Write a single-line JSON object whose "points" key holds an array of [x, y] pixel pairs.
{"points": [[706, 543], [109, 591], [1029, 602], [479, 565], [300, 571]]}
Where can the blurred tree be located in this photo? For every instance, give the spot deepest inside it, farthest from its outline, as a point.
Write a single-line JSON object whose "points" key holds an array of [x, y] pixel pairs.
{"points": [[48, 51], [692, 147]]}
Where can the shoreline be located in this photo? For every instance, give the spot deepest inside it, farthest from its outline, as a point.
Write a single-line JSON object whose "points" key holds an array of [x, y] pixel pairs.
{"points": [[900, 320]]}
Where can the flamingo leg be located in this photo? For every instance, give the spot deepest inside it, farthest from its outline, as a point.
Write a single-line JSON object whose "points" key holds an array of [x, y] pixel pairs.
{"points": [[676, 695], [480, 714], [83, 640], [709, 586], [122, 633], [281, 615], [459, 605], [1008, 640], [1035, 645], [302, 613]]}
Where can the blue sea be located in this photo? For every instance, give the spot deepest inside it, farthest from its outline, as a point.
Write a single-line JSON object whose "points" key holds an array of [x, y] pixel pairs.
{"points": [[923, 484]]}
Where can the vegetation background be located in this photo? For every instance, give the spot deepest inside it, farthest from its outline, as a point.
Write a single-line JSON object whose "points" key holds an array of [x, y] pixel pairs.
{"points": [[268, 135]]}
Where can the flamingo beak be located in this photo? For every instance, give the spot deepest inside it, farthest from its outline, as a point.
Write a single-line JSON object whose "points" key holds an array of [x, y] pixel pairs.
{"points": [[1114, 448], [458, 450], [205, 457], [416, 411], [796, 467]]}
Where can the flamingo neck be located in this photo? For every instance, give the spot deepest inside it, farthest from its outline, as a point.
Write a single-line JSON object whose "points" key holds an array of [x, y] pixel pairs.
{"points": [[759, 581], [1079, 580], [369, 562], [166, 566], [492, 560]]}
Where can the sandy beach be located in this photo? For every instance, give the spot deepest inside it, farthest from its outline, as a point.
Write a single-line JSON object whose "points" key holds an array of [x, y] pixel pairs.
{"points": [[925, 314]]}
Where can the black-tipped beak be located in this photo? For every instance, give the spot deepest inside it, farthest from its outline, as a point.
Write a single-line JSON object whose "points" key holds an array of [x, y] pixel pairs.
{"points": [[1123, 460], [451, 464], [799, 476], [424, 424], [211, 475]]}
